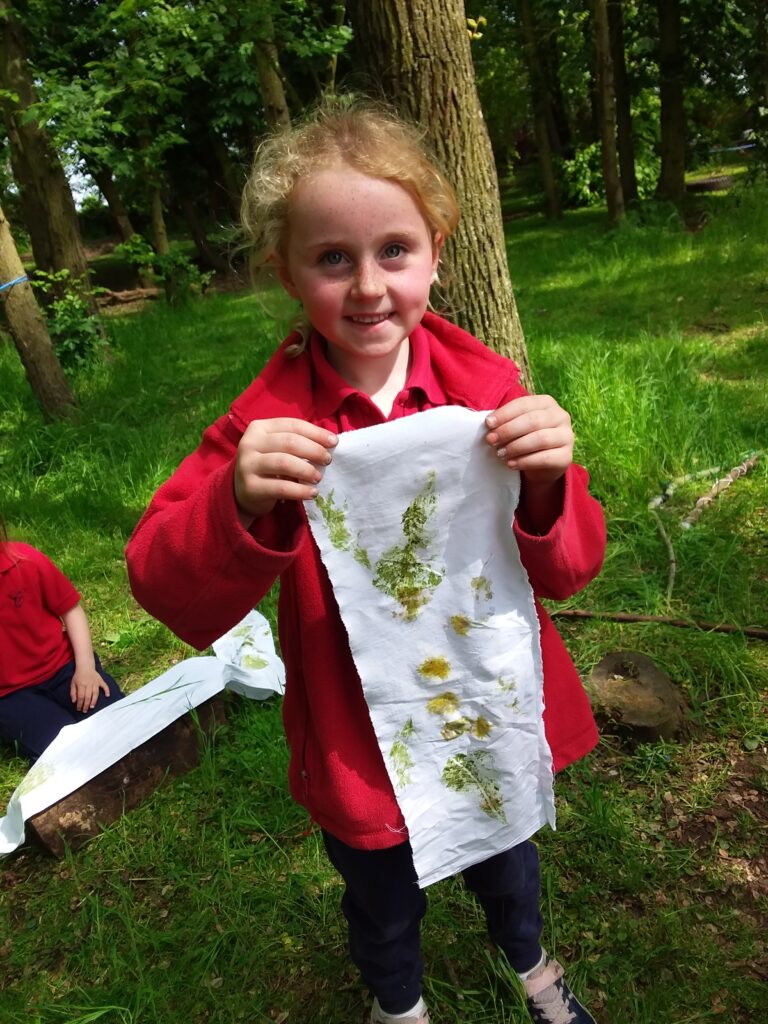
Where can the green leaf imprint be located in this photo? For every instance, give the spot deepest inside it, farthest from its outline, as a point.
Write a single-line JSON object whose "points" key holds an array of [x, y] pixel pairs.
{"points": [[477, 771], [36, 776], [335, 519], [445, 704], [435, 668], [482, 587], [399, 572], [460, 624], [254, 661], [400, 755]]}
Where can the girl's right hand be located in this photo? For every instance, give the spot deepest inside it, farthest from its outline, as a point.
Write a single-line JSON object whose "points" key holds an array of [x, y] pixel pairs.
{"points": [[277, 460]]}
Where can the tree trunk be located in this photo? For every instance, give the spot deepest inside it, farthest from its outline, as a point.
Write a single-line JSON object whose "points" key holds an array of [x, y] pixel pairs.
{"points": [[30, 334], [230, 180], [542, 114], [276, 111], [671, 184], [419, 52], [209, 257], [626, 145], [606, 105], [157, 221], [47, 198], [106, 183]]}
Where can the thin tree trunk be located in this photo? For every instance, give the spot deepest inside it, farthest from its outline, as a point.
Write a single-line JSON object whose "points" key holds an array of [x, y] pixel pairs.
{"points": [[671, 184], [420, 55], [209, 256], [41, 180], [30, 334], [542, 113], [606, 103], [106, 184], [276, 111], [625, 140], [230, 182]]}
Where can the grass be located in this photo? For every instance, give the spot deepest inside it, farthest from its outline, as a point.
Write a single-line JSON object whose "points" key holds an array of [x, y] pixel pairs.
{"points": [[210, 902]]}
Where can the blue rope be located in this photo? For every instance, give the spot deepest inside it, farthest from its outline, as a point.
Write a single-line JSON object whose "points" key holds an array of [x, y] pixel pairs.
{"points": [[10, 284]]}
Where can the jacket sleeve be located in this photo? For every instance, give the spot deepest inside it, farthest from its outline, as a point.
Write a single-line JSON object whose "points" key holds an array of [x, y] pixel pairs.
{"points": [[191, 564], [562, 561]]}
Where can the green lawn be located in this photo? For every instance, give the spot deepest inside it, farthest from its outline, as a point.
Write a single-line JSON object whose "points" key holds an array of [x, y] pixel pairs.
{"points": [[211, 903]]}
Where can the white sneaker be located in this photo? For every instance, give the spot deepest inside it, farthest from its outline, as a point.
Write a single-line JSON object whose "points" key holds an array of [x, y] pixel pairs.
{"points": [[378, 1016]]}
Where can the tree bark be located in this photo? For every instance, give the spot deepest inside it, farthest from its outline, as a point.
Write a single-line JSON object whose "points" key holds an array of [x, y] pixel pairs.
{"points": [[625, 141], [418, 51], [30, 334], [542, 114], [46, 196], [106, 184], [671, 184], [606, 105], [230, 181], [276, 111]]}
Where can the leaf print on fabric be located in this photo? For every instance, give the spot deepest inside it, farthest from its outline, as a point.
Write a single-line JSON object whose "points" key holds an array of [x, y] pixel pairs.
{"points": [[476, 771], [435, 668], [400, 755], [335, 519], [400, 573]]}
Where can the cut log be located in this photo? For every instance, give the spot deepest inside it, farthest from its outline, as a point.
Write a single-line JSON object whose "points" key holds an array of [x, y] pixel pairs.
{"points": [[83, 814], [630, 695]]}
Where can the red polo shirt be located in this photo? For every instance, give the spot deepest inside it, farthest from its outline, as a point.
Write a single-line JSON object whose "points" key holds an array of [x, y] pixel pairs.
{"points": [[193, 566], [34, 594]]}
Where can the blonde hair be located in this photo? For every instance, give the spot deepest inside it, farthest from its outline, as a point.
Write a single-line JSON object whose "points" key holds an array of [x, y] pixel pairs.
{"points": [[367, 136]]}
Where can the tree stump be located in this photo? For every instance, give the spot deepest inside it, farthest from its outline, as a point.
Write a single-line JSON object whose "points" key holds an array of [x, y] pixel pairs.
{"points": [[82, 814], [630, 695]]}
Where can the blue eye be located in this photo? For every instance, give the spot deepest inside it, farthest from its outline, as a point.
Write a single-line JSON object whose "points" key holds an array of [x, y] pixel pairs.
{"points": [[392, 251], [334, 258]]}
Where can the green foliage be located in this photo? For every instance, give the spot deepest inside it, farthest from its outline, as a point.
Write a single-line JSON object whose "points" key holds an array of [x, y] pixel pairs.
{"points": [[210, 901], [76, 332], [182, 279]]}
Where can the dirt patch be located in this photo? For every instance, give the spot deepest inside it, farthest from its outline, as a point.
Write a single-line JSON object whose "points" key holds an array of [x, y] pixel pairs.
{"points": [[734, 828]]}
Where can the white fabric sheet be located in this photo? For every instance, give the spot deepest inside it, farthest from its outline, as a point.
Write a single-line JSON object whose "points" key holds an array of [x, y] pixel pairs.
{"points": [[413, 521], [246, 662]]}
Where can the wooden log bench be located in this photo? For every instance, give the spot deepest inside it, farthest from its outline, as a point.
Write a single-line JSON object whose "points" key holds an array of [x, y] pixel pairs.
{"points": [[82, 814]]}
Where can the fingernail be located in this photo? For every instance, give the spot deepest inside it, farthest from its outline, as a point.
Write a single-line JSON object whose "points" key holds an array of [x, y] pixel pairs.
{"points": [[502, 453], [490, 421], [332, 439]]}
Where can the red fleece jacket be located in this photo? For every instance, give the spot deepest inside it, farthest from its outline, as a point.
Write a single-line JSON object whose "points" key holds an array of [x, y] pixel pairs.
{"points": [[193, 566]]}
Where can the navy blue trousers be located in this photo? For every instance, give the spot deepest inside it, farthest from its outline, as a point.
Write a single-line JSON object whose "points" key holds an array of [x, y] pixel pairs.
{"points": [[33, 716], [384, 905]]}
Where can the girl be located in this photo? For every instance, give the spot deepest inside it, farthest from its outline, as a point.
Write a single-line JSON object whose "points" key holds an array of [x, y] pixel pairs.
{"points": [[352, 216], [48, 678]]}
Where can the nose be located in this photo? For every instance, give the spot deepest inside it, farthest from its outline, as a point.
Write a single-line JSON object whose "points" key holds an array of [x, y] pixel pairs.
{"points": [[369, 279]]}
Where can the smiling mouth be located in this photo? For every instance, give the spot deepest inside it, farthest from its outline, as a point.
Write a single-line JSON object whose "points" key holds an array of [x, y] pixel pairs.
{"points": [[377, 318]]}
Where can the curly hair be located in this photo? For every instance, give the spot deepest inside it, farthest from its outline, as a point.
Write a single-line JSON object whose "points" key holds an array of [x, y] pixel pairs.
{"points": [[367, 136]]}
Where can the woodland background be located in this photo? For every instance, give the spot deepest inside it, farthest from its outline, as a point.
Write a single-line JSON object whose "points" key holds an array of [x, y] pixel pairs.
{"points": [[610, 160]]}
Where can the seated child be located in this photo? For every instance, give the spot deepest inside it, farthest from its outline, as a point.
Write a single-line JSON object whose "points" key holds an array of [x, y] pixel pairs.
{"points": [[49, 678]]}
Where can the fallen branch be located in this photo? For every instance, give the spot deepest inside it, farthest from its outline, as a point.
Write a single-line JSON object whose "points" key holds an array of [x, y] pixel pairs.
{"points": [[110, 298], [755, 632]]}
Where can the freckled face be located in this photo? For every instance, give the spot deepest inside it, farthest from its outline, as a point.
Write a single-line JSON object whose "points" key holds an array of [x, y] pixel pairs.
{"points": [[361, 259]]}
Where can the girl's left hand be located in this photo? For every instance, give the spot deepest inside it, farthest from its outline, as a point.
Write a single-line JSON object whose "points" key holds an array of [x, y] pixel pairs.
{"points": [[84, 689], [532, 434]]}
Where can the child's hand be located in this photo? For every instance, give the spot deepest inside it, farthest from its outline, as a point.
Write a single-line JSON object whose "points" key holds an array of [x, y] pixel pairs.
{"points": [[279, 459], [84, 689], [533, 434]]}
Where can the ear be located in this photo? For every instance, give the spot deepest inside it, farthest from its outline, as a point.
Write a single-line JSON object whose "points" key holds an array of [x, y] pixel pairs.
{"points": [[284, 276], [437, 245]]}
